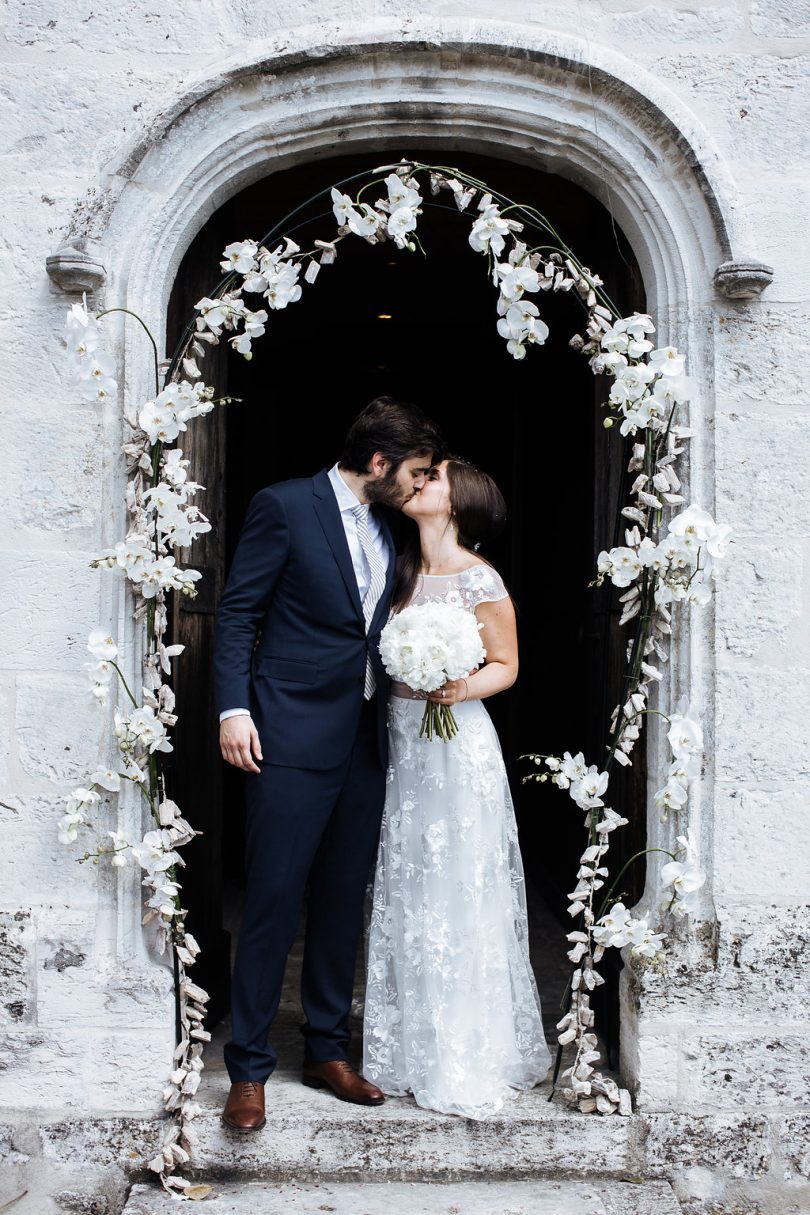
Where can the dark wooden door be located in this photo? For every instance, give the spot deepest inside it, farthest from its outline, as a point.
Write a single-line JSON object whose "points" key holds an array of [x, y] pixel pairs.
{"points": [[196, 781]]}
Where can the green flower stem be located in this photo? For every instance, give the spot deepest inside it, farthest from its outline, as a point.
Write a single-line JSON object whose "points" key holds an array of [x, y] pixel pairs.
{"points": [[124, 682], [140, 321], [438, 719], [642, 852]]}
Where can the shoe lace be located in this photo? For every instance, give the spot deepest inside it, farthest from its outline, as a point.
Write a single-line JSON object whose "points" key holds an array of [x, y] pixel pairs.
{"points": [[248, 1088]]}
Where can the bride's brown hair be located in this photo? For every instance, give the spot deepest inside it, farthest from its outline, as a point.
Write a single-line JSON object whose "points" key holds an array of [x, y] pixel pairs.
{"points": [[478, 509]]}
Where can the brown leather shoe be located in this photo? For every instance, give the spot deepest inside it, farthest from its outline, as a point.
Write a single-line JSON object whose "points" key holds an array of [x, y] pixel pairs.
{"points": [[244, 1109], [344, 1081]]}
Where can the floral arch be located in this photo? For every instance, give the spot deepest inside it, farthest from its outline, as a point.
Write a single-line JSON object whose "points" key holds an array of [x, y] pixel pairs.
{"points": [[191, 401]]}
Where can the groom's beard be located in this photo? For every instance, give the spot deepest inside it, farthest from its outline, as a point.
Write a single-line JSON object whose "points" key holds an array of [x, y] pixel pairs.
{"points": [[388, 492]]}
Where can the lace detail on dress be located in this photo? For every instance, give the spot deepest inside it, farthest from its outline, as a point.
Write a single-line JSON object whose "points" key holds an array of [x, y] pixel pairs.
{"points": [[467, 588], [452, 1012]]}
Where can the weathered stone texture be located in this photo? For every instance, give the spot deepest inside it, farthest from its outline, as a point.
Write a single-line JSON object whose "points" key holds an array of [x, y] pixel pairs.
{"points": [[755, 853], [62, 735], [759, 602], [761, 731], [773, 1070], [17, 963], [46, 623]]}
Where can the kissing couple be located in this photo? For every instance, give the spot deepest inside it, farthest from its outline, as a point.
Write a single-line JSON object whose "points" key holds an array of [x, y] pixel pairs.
{"points": [[336, 775]]}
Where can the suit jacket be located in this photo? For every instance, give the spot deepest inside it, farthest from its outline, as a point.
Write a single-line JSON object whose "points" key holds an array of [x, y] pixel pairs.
{"points": [[292, 576]]}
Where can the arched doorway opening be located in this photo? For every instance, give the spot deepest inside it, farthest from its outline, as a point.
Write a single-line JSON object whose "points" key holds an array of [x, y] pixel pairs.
{"points": [[384, 320]]}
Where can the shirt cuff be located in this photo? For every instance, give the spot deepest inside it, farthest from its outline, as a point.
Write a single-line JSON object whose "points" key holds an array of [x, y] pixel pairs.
{"points": [[233, 713]]}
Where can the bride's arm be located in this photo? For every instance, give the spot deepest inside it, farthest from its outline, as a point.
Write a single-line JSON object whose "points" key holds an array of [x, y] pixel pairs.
{"points": [[499, 638]]}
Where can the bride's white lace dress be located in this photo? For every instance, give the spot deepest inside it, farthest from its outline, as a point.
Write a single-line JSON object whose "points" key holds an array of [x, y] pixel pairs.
{"points": [[452, 1013]]}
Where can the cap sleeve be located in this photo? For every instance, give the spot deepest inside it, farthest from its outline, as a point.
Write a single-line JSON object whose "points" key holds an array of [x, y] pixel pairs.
{"points": [[482, 584]]}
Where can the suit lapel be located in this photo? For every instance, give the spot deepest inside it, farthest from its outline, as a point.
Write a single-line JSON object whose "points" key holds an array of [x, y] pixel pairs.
{"points": [[328, 512]]}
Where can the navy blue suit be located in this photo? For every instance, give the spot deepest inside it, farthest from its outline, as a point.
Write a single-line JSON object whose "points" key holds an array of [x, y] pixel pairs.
{"points": [[314, 809]]}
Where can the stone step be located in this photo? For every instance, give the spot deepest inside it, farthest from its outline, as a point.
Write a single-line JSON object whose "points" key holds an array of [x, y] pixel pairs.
{"points": [[482, 1197], [312, 1135]]}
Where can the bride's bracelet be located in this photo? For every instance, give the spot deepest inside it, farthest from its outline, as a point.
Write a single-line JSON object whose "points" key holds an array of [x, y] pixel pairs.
{"points": [[466, 690]]}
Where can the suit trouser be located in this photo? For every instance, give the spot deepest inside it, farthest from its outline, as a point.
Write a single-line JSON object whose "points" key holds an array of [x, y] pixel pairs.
{"points": [[305, 823]]}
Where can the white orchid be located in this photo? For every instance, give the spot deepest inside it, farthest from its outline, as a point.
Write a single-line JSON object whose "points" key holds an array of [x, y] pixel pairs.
{"points": [[402, 194], [342, 206], [107, 779], [160, 422], [240, 256], [666, 361], [152, 853], [685, 735], [685, 876], [101, 644], [587, 789], [515, 280], [489, 230], [400, 222]]}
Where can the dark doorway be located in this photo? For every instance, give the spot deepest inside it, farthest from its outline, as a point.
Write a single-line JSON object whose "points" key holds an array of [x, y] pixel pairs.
{"points": [[381, 320]]}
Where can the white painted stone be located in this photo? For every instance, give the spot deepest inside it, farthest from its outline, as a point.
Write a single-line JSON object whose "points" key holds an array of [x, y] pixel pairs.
{"points": [[772, 1069], [62, 734], [759, 600], [46, 624], [757, 371], [780, 18], [422, 1198], [743, 869], [53, 479], [653, 26], [33, 865], [760, 732]]}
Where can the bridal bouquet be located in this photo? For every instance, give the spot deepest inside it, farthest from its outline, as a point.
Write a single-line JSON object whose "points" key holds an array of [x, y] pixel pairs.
{"points": [[424, 646]]}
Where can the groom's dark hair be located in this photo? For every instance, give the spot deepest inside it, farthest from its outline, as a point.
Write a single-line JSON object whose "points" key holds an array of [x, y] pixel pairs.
{"points": [[398, 429]]}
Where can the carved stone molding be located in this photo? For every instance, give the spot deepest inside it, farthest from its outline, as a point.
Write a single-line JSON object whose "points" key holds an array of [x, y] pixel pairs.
{"points": [[75, 266], [743, 280]]}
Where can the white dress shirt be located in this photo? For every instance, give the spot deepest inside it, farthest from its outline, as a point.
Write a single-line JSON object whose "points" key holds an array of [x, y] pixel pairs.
{"points": [[347, 499]]}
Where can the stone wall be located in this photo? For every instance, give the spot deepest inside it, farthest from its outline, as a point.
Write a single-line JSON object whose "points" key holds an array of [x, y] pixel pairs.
{"points": [[85, 1008]]}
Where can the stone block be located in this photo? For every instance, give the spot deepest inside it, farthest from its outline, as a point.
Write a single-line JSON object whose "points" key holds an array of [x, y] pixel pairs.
{"points": [[755, 853], [77, 988], [780, 18], [762, 727], [17, 968], [737, 1144], [762, 489], [757, 369], [105, 32], [759, 601], [747, 101], [87, 1071], [7, 742], [670, 25], [793, 1138], [53, 480], [36, 868], [62, 734], [760, 974], [46, 623], [770, 1068]]}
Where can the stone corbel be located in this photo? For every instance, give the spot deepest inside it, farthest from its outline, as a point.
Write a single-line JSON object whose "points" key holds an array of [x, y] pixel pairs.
{"points": [[75, 266], [743, 280]]}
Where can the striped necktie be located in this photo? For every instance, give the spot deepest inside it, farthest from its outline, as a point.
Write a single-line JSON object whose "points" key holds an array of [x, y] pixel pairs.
{"points": [[376, 585]]}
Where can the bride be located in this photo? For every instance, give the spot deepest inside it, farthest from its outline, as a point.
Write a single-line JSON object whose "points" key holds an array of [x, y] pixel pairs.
{"points": [[452, 1014]]}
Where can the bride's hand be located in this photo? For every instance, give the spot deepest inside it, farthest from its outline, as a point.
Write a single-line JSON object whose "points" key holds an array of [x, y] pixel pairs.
{"points": [[451, 693]]}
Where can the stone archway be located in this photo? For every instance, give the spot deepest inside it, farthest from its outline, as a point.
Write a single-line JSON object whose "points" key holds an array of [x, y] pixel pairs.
{"points": [[500, 88]]}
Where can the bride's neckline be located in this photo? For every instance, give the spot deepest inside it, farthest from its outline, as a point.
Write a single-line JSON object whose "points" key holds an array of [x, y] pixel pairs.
{"points": [[450, 575]]}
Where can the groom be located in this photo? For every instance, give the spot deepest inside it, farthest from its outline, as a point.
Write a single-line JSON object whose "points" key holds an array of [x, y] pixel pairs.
{"points": [[304, 716]]}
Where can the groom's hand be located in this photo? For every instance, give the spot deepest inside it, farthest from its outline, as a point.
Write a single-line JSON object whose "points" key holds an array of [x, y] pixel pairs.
{"points": [[237, 738]]}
